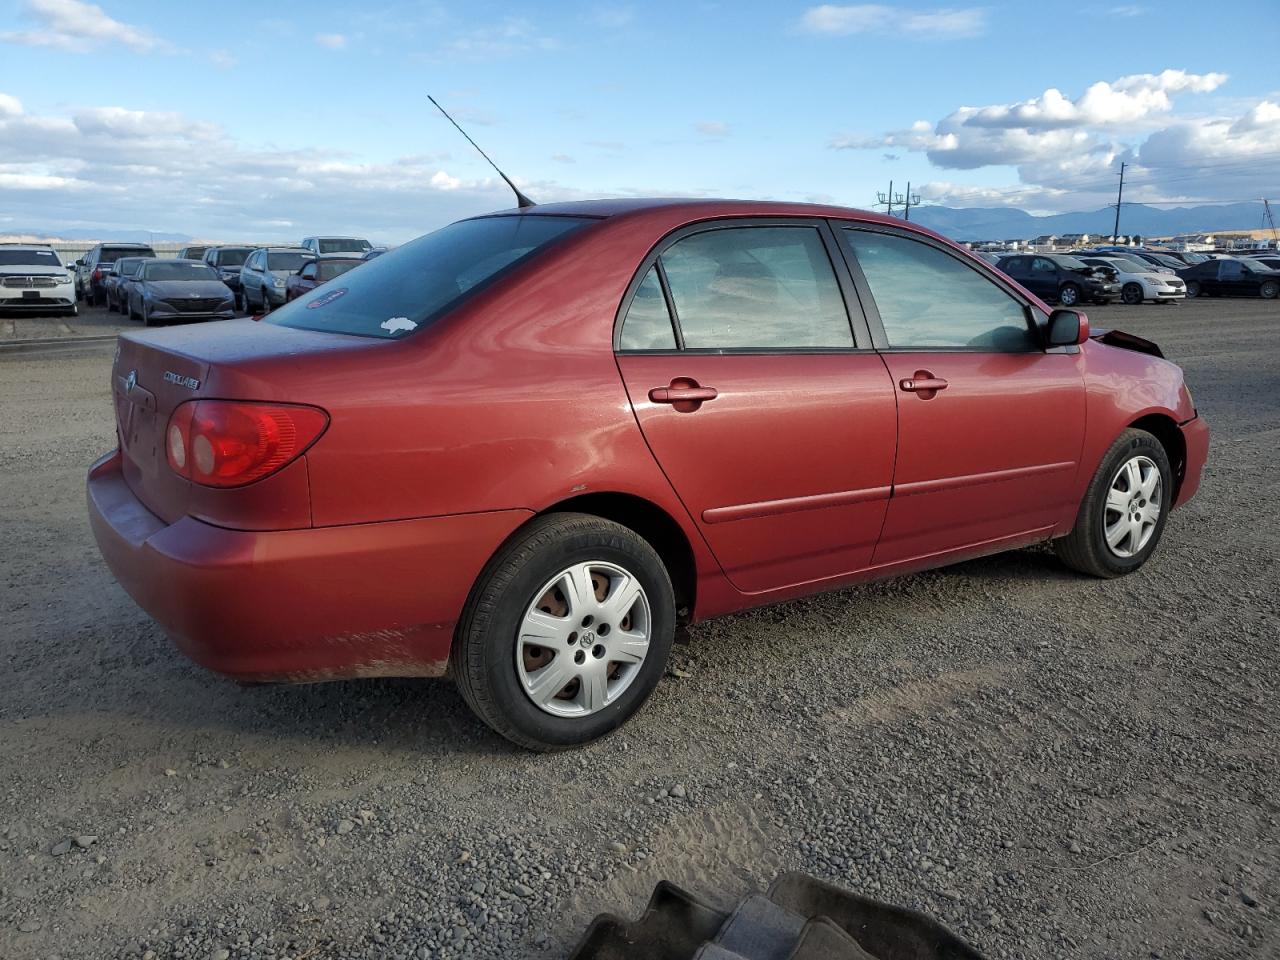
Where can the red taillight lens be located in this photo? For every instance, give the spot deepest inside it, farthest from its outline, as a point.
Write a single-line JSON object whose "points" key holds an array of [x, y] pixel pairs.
{"points": [[97, 274], [228, 443]]}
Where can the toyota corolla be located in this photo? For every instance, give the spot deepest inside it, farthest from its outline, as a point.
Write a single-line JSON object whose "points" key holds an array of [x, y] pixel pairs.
{"points": [[525, 449]]}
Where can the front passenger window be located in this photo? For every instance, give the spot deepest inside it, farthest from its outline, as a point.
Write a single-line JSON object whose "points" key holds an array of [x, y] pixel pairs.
{"points": [[929, 298]]}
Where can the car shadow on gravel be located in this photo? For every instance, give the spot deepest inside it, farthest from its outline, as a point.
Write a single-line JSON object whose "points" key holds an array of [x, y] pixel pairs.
{"points": [[1031, 563]]}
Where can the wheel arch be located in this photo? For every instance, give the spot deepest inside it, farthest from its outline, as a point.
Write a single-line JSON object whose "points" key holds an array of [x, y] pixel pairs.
{"points": [[1166, 430], [655, 525]]}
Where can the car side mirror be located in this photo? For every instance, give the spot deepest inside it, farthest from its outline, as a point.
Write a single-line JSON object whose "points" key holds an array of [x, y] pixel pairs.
{"points": [[1068, 328], [80, 262]]}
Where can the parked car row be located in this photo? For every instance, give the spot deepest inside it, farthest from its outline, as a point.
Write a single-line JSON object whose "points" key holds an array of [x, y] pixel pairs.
{"points": [[1140, 276], [92, 269]]}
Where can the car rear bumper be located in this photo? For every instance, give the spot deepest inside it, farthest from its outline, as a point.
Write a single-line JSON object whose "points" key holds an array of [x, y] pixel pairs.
{"points": [[1195, 433], [375, 599]]}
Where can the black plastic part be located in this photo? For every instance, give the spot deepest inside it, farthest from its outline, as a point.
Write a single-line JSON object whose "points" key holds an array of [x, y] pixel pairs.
{"points": [[672, 927], [1126, 341]]}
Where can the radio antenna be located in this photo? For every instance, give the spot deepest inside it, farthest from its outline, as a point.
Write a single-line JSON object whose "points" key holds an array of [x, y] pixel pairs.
{"points": [[521, 200]]}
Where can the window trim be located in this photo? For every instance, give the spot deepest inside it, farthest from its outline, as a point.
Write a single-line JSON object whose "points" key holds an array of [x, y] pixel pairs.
{"points": [[1030, 310], [862, 338]]}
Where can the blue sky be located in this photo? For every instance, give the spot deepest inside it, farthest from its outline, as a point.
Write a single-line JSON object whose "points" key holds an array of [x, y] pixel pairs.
{"points": [[273, 120]]}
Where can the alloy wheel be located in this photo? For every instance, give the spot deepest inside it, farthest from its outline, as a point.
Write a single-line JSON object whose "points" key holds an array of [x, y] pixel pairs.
{"points": [[583, 640], [1068, 295], [1133, 506]]}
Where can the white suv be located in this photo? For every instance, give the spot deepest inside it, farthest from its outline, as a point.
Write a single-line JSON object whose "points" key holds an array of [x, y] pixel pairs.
{"points": [[33, 279], [328, 246]]}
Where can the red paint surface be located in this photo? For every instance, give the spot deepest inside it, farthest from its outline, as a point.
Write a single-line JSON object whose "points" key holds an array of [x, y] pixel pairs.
{"points": [[804, 472]]}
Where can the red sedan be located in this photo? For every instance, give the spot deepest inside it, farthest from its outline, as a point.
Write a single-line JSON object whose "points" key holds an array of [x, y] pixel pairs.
{"points": [[525, 448]]}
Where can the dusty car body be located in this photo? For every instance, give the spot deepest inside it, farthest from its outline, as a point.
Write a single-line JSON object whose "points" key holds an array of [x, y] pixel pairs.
{"points": [[561, 401]]}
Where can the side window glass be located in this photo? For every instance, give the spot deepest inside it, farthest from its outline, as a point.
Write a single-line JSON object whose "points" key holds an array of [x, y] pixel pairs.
{"points": [[928, 298], [647, 325], [1230, 270], [1041, 265], [756, 287]]}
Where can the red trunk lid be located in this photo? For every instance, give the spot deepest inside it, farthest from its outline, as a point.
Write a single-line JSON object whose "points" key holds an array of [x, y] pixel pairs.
{"points": [[156, 370]]}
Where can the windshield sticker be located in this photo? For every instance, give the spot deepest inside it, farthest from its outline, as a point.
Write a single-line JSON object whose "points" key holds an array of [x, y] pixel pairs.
{"points": [[326, 298], [398, 324]]}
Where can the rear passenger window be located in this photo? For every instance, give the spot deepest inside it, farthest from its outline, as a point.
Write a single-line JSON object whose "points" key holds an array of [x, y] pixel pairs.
{"points": [[756, 287], [647, 325], [928, 298]]}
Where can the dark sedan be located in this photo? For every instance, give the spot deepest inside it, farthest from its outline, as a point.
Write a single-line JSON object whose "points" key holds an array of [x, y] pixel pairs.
{"points": [[1063, 279], [315, 273], [1231, 278], [117, 279], [168, 290]]}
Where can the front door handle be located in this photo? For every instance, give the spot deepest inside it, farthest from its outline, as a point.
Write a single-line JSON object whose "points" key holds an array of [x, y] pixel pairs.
{"points": [[923, 384], [920, 384], [682, 394]]}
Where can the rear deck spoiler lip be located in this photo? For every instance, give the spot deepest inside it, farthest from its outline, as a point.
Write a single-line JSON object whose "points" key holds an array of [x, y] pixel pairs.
{"points": [[1126, 341]]}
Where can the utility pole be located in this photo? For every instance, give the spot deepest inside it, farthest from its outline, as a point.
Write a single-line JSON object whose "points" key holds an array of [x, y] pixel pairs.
{"points": [[886, 200], [1115, 233], [1266, 213], [912, 200]]}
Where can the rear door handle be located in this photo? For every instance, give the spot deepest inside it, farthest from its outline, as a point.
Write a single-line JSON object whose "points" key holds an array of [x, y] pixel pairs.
{"points": [[682, 394], [922, 384]]}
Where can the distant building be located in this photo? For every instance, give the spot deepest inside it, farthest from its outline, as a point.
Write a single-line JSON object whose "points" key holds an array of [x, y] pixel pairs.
{"points": [[1074, 240], [1046, 242]]}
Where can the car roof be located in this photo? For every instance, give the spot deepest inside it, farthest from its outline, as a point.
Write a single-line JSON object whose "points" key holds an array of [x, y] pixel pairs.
{"points": [[126, 243], [693, 209], [285, 250]]}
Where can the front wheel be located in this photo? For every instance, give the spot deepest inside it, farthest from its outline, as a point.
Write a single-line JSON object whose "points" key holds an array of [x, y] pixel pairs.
{"points": [[1193, 288], [566, 633], [1069, 295], [1270, 290], [1132, 294], [1124, 510]]}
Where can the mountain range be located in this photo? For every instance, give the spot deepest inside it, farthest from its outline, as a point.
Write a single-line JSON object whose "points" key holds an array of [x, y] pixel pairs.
{"points": [[1009, 223], [958, 223]]}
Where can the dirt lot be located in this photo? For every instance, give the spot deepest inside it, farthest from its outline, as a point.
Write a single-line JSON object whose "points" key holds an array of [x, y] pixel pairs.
{"points": [[1053, 766]]}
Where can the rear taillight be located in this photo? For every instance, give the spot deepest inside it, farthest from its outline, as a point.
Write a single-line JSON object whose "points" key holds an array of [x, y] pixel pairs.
{"points": [[97, 275], [228, 443]]}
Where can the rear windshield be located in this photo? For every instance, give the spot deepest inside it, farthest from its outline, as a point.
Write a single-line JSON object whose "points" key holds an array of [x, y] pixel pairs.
{"points": [[343, 245], [128, 266], [178, 270], [29, 258], [327, 271], [288, 261], [415, 284], [112, 254], [233, 257]]}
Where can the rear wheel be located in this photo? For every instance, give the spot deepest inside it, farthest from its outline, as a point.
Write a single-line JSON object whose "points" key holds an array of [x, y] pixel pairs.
{"points": [[1069, 295], [1270, 290], [566, 633], [1132, 294], [1124, 510]]}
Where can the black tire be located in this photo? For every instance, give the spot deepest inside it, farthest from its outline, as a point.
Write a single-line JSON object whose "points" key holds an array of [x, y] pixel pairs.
{"points": [[1132, 294], [1270, 290], [1193, 289], [1085, 548], [1069, 295], [146, 315], [483, 661]]}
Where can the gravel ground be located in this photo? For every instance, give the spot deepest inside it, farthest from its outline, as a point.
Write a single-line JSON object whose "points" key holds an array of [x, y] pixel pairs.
{"points": [[1053, 766]]}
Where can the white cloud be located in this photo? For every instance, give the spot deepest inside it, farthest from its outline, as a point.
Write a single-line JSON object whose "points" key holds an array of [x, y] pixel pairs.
{"points": [[512, 35], [76, 26], [1127, 10], [1067, 151], [613, 18], [562, 158], [331, 41], [838, 20], [712, 128], [223, 59], [118, 168]]}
